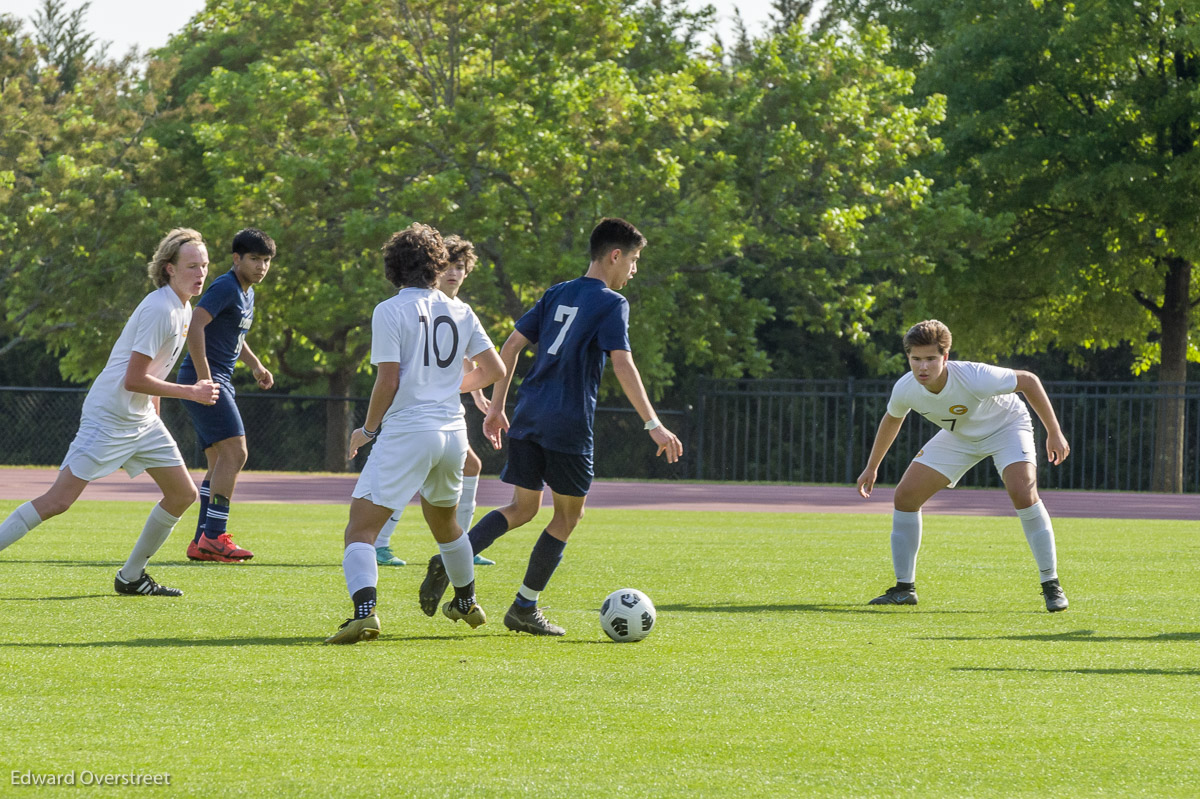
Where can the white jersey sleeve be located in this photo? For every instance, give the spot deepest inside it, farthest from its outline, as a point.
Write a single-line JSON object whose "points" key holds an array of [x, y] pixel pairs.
{"points": [[977, 400], [158, 329]]}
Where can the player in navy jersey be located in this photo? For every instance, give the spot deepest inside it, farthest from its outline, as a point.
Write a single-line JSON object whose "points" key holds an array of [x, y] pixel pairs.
{"points": [[216, 342], [576, 326], [418, 341], [980, 416]]}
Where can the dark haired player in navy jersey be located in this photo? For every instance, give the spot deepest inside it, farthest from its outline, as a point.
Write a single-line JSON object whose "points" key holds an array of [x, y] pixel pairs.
{"points": [[576, 325], [216, 342]]}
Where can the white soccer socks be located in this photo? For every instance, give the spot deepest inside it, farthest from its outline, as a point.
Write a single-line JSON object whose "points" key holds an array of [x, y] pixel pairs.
{"points": [[466, 502], [159, 525], [459, 561], [18, 523], [384, 538], [360, 568], [906, 540], [1039, 532]]}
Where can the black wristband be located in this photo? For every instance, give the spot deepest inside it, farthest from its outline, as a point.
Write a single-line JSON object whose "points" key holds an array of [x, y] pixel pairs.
{"points": [[371, 433]]}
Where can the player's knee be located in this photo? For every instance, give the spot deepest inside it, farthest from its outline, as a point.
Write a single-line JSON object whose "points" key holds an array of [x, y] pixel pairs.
{"points": [[180, 498], [906, 502], [519, 514], [233, 451], [48, 506]]}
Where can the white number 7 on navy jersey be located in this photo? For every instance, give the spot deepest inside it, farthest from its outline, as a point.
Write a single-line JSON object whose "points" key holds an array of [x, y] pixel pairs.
{"points": [[561, 313]]}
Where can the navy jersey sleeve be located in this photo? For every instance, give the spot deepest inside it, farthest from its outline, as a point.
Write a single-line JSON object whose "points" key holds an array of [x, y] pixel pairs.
{"points": [[220, 295], [530, 324], [614, 330]]}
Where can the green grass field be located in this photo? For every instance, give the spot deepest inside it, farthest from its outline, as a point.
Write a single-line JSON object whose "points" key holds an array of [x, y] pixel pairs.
{"points": [[766, 674]]}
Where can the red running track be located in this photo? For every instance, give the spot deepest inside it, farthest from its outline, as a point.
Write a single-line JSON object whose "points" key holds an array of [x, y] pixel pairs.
{"points": [[298, 488]]}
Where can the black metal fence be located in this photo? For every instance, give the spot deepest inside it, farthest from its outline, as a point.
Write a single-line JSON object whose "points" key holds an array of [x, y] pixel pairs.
{"points": [[287, 433], [795, 431], [821, 431]]}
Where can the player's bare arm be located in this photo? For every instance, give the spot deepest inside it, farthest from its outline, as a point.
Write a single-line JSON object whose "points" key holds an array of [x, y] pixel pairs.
{"points": [[262, 375], [496, 421], [196, 345], [489, 369], [631, 383], [1057, 448], [481, 402], [387, 382], [889, 428], [139, 380]]}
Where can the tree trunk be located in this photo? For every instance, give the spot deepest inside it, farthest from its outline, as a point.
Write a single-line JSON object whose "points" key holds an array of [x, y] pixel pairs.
{"points": [[338, 420], [1167, 474]]}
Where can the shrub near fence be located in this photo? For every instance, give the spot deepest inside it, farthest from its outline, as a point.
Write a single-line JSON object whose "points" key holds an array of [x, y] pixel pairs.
{"points": [[795, 431]]}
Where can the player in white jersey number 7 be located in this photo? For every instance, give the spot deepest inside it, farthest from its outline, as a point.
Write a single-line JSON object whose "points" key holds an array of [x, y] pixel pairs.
{"points": [[981, 416]]}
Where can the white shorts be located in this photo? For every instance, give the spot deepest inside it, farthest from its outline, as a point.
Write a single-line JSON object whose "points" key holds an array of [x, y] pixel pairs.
{"points": [[98, 451], [429, 462], [954, 456]]}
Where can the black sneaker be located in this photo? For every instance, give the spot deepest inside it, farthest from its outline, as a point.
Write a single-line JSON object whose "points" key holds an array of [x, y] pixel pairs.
{"points": [[1056, 600], [896, 596], [529, 620], [433, 586], [145, 586]]}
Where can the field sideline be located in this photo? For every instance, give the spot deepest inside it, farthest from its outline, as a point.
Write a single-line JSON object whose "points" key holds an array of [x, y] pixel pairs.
{"points": [[290, 487]]}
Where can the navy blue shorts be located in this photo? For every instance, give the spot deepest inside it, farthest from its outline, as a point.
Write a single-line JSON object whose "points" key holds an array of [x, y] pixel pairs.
{"points": [[532, 466], [216, 422]]}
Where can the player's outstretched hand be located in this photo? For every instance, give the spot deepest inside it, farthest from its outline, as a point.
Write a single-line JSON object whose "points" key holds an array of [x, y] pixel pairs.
{"points": [[1057, 448], [667, 442], [866, 482], [205, 392], [495, 423], [264, 378], [358, 440]]}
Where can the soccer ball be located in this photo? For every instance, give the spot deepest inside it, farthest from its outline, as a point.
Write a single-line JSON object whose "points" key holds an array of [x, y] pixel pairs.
{"points": [[627, 615]]}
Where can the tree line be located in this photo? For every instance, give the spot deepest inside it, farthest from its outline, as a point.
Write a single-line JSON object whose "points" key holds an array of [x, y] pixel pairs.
{"points": [[1021, 170]]}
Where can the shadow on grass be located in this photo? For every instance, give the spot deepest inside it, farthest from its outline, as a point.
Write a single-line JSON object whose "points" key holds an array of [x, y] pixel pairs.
{"points": [[55, 598], [253, 564], [191, 563], [803, 608], [1087, 636], [165, 642], [1163, 672]]}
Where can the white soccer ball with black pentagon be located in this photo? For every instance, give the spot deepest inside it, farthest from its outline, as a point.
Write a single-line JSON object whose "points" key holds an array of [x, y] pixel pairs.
{"points": [[627, 615]]}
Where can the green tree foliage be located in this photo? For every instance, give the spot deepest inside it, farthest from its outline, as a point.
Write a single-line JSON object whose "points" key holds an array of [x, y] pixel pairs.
{"points": [[837, 222], [517, 125], [80, 206], [1075, 127], [774, 182], [65, 43]]}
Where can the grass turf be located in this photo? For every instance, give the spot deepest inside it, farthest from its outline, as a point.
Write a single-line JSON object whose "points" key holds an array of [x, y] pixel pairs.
{"points": [[766, 674]]}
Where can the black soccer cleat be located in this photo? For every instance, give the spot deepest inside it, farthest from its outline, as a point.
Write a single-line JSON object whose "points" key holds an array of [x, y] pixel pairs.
{"points": [[896, 596], [530, 620], [145, 586], [433, 586], [1056, 600]]}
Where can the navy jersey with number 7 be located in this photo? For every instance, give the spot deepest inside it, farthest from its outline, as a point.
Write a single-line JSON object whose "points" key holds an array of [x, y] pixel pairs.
{"points": [[574, 325]]}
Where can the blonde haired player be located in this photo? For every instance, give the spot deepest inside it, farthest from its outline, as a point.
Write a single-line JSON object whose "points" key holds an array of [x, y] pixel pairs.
{"points": [[981, 416], [120, 427]]}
